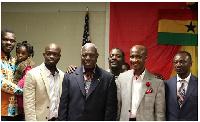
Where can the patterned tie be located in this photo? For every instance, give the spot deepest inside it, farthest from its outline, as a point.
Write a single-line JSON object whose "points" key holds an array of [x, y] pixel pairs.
{"points": [[181, 94], [87, 80]]}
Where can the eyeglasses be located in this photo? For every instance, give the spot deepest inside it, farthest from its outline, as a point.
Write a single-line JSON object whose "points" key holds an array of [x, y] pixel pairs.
{"points": [[6, 40]]}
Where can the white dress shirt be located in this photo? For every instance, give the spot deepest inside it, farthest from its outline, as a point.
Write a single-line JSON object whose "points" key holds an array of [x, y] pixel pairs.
{"points": [[186, 82], [136, 88], [54, 92]]}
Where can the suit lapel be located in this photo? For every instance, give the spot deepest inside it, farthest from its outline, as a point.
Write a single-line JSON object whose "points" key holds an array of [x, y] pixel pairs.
{"points": [[144, 87], [44, 77], [61, 80], [95, 81], [80, 80], [173, 90], [129, 85], [190, 88]]}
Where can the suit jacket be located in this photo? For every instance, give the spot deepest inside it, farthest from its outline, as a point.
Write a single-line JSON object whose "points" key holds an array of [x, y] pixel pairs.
{"points": [[151, 106], [189, 109], [36, 94], [99, 104]]}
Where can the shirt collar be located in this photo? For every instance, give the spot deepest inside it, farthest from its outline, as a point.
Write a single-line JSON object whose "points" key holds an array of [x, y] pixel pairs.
{"points": [[3, 55], [93, 69], [187, 79], [141, 76], [49, 73]]}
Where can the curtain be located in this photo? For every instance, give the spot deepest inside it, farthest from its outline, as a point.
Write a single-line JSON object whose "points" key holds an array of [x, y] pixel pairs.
{"points": [[136, 23]]}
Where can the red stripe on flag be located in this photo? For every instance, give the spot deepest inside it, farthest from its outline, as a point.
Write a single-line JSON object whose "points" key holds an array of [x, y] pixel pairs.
{"points": [[178, 14]]}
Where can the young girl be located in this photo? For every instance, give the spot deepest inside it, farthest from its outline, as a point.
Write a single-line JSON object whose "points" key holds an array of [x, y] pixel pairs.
{"points": [[24, 53]]}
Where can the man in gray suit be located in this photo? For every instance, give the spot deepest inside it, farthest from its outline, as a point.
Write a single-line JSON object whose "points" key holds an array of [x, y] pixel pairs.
{"points": [[141, 96]]}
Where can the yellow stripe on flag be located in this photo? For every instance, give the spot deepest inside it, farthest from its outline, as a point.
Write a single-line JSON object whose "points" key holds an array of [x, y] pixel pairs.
{"points": [[176, 26]]}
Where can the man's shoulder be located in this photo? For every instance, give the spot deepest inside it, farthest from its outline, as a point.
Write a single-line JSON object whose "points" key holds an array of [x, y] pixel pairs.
{"points": [[105, 71], [35, 70], [171, 79], [149, 75], [78, 71], [129, 72], [194, 77]]}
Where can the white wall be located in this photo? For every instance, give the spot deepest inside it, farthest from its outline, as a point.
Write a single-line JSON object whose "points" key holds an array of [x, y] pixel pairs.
{"points": [[62, 23]]}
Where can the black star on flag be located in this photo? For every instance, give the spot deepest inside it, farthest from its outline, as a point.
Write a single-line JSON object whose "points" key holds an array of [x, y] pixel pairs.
{"points": [[86, 38], [190, 27]]}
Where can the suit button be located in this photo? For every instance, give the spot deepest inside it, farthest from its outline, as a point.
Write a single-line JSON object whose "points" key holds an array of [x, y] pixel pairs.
{"points": [[46, 117], [129, 110], [47, 106]]}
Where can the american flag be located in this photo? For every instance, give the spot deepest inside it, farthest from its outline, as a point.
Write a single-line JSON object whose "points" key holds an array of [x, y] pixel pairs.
{"points": [[86, 38]]}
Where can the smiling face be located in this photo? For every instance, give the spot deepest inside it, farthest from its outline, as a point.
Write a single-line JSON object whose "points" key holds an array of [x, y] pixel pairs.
{"points": [[115, 59], [7, 42], [22, 53], [138, 56], [182, 64], [89, 56]]}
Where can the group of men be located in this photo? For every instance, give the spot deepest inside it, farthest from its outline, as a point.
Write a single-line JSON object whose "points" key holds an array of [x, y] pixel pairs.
{"points": [[91, 93]]}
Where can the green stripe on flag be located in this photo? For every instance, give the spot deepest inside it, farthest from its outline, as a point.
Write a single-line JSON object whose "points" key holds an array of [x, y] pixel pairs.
{"points": [[178, 38]]}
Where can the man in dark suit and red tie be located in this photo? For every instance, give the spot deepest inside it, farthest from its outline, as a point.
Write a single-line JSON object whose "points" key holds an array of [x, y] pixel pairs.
{"points": [[89, 93], [182, 91]]}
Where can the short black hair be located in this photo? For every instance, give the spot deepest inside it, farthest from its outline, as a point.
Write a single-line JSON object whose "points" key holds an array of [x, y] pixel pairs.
{"points": [[123, 55], [7, 30], [187, 53], [28, 47], [128, 66]]}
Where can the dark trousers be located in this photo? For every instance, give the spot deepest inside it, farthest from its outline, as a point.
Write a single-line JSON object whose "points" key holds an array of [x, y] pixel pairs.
{"points": [[132, 119], [53, 119], [15, 118]]}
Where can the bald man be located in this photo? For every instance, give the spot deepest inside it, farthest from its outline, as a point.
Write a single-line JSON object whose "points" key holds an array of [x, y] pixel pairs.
{"points": [[141, 96], [89, 93], [43, 87]]}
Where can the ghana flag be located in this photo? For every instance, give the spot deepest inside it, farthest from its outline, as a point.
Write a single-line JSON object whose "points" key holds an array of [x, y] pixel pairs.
{"points": [[178, 27]]}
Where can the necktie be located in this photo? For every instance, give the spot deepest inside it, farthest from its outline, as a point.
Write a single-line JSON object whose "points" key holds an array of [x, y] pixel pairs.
{"points": [[88, 80], [181, 94]]}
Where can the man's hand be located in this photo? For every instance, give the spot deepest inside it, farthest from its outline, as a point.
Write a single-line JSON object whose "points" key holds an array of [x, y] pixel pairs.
{"points": [[71, 69], [159, 76]]}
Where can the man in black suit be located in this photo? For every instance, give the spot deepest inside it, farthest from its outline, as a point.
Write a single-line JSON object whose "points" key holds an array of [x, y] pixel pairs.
{"points": [[89, 93], [182, 91]]}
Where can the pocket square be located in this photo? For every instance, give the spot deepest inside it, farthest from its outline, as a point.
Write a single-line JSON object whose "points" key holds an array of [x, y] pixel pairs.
{"points": [[149, 91]]}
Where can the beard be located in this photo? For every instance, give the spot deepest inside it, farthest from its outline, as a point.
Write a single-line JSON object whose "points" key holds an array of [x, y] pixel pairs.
{"points": [[115, 67]]}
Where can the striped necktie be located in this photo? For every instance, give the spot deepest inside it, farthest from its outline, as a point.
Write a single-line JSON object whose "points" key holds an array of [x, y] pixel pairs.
{"points": [[181, 94]]}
